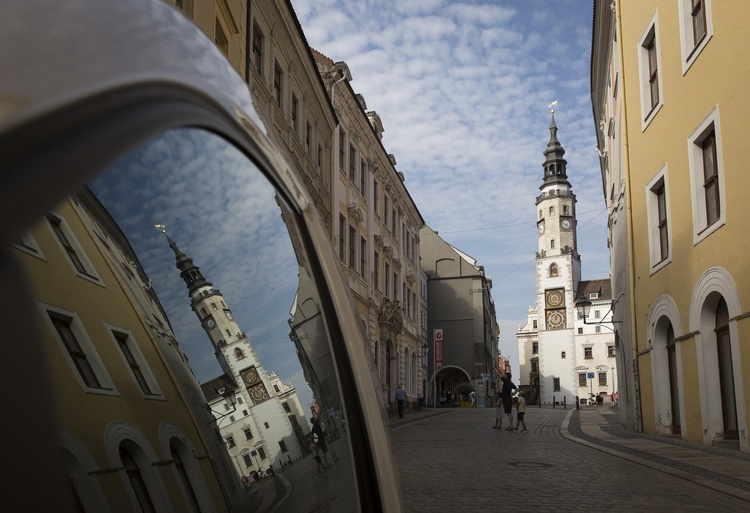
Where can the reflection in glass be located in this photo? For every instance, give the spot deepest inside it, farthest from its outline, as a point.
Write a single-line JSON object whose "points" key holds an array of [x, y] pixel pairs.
{"points": [[226, 285]]}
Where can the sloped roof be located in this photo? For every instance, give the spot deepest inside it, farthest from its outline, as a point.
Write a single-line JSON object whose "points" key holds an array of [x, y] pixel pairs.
{"points": [[211, 388], [602, 287]]}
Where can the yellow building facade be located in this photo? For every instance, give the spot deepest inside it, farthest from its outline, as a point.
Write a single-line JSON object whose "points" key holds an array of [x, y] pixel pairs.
{"points": [[667, 79], [126, 423]]}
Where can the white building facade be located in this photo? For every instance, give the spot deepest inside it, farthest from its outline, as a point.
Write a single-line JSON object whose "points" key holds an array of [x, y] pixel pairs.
{"points": [[562, 358]]}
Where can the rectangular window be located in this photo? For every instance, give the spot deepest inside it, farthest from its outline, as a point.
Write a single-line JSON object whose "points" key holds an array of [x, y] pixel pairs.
{"points": [[258, 49], [386, 210], [72, 248], [610, 350], [64, 327], [653, 72], [580, 331], [363, 178], [353, 248], [221, 39], [376, 197], [657, 191], [588, 353], [248, 460], [387, 282], [262, 453], [282, 446], [320, 157], [707, 177], [535, 324], [602, 379], [230, 441], [352, 164], [295, 114], [698, 16], [135, 361], [278, 83], [556, 384], [394, 225], [342, 238], [581, 379], [696, 29], [534, 347], [661, 201], [248, 433], [308, 138], [598, 329], [395, 286], [376, 270], [710, 179], [363, 257], [287, 409], [342, 149], [650, 73]]}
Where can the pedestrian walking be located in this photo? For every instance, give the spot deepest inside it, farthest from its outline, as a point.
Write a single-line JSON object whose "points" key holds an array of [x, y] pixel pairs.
{"points": [[521, 412], [400, 400], [507, 395], [473, 399]]}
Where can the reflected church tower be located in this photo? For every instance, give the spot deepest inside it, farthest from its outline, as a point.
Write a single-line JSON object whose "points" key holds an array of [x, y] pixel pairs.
{"points": [[269, 419], [230, 343]]}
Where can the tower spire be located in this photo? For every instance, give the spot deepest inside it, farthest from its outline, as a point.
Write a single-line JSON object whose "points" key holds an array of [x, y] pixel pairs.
{"points": [[555, 166], [189, 272]]}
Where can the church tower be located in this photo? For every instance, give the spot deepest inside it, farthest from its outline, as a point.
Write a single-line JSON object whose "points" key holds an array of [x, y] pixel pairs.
{"points": [[558, 271], [270, 420]]}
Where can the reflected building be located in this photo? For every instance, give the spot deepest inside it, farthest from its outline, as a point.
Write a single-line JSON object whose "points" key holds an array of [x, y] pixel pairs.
{"points": [[125, 394], [263, 422]]}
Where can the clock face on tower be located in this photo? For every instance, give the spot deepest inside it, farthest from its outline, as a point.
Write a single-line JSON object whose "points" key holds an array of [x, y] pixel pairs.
{"points": [[555, 319], [554, 298], [258, 393], [540, 227], [210, 322], [250, 376], [566, 224]]}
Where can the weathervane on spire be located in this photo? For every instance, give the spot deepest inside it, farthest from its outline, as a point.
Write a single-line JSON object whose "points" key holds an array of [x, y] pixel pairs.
{"points": [[551, 106], [162, 228]]}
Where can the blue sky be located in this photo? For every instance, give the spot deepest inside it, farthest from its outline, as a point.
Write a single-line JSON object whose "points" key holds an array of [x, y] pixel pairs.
{"points": [[463, 90]]}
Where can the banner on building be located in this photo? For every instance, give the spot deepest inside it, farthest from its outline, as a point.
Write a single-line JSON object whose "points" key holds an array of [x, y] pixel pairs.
{"points": [[438, 343]]}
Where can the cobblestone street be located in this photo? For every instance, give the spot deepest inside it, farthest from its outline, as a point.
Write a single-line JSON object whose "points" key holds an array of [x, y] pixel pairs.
{"points": [[451, 460]]}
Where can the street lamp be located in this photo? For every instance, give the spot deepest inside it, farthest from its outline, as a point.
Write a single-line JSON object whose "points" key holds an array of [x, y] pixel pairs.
{"points": [[229, 396], [583, 306]]}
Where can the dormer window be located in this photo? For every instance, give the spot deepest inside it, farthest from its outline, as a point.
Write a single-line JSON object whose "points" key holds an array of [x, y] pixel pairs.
{"points": [[594, 295]]}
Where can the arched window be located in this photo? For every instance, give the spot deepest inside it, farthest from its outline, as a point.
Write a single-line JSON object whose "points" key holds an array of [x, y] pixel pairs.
{"points": [[136, 481], [553, 269], [239, 353], [182, 472]]}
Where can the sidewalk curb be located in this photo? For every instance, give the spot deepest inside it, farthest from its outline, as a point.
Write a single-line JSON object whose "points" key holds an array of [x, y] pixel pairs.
{"points": [[702, 481]]}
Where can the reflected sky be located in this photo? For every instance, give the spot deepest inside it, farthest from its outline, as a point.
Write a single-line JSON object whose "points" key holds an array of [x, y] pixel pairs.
{"points": [[222, 213]]}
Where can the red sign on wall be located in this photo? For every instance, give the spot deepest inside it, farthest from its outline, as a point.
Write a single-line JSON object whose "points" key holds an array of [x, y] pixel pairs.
{"points": [[437, 339]]}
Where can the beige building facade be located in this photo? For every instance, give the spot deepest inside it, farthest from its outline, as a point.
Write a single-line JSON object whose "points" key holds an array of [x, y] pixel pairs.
{"points": [[666, 82]]}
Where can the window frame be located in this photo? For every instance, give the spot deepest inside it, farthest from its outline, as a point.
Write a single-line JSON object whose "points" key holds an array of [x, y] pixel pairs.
{"points": [[72, 247], [106, 385], [709, 126], [656, 225], [140, 362], [257, 44], [649, 108], [689, 47]]}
